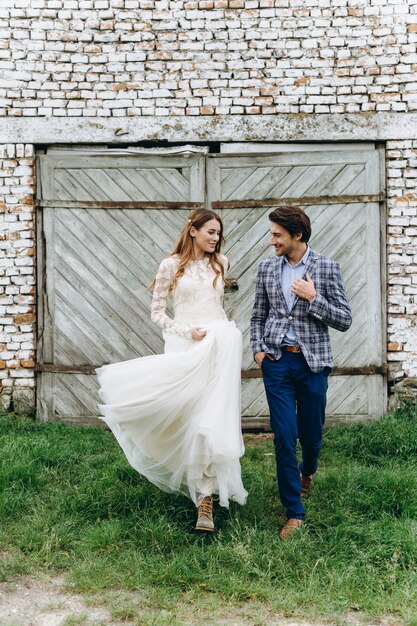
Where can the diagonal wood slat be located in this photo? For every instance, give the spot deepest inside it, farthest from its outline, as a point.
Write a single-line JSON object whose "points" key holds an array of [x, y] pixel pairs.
{"points": [[349, 233], [101, 261]]}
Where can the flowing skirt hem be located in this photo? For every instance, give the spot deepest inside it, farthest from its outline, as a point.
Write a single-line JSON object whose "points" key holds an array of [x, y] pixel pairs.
{"points": [[177, 415]]}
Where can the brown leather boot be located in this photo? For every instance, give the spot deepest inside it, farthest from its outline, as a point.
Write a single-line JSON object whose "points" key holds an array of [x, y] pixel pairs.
{"points": [[205, 515], [306, 485], [290, 528]]}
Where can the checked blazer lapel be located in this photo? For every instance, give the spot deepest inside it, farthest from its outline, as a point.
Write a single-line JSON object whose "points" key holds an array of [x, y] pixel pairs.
{"points": [[278, 273], [311, 261]]}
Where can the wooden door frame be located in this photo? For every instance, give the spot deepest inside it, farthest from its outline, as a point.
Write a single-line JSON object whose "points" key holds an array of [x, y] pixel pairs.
{"points": [[41, 278]]}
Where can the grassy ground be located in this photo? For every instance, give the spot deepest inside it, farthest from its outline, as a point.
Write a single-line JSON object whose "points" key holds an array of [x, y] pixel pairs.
{"points": [[70, 503]]}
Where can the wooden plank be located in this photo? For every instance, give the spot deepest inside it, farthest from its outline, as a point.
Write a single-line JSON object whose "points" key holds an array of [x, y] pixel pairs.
{"points": [[121, 241], [293, 158], [344, 218], [101, 260], [48, 284], [97, 204], [152, 177], [283, 200]]}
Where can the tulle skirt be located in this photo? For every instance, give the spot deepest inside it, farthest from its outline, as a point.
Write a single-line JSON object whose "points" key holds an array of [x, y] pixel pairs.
{"points": [[177, 415]]}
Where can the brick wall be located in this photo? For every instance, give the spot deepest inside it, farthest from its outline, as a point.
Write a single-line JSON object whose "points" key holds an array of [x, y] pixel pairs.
{"points": [[402, 257], [17, 274], [159, 57]]}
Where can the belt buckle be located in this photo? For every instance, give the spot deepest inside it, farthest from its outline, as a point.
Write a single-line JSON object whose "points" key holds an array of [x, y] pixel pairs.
{"points": [[296, 348]]}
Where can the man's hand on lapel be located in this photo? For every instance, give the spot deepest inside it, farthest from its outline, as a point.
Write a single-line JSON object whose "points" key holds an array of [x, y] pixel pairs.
{"points": [[304, 288]]}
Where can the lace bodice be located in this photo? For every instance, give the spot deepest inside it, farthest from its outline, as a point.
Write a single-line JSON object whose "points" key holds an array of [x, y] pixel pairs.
{"points": [[196, 301]]}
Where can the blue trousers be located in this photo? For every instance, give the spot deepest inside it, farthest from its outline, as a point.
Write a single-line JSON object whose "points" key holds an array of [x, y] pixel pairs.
{"points": [[297, 401]]}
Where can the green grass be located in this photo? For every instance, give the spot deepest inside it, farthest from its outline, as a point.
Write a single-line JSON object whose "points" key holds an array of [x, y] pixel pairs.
{"points": [[69, 502]]}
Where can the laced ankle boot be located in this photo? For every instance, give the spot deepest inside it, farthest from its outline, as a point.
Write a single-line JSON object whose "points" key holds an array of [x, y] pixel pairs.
{"points": [[205, 515]]}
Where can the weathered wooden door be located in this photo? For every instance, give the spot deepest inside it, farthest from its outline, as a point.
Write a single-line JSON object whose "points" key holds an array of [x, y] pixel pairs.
{"points": [[104, 229], [106, 220], [339, 191]]}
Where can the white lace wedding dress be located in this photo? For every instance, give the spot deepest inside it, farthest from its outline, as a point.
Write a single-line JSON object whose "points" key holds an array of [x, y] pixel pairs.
{"points": [[177, 415]]}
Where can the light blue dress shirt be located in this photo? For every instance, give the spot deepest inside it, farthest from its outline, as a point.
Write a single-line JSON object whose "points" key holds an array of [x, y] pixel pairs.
{"points": [[290, 273]]}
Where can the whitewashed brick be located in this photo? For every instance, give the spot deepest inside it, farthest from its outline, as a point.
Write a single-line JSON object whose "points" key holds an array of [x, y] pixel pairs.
{"points": [[117, 58]]}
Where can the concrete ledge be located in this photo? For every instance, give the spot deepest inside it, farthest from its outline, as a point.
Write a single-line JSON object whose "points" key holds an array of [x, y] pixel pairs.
{"points": [[283, 127]]}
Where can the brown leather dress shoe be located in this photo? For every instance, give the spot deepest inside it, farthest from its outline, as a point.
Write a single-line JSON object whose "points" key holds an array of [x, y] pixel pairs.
{"points": [[290, 528], [306, 485]]}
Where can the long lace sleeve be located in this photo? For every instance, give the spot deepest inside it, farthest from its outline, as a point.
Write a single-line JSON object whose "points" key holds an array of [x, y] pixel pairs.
{"points": [[166, 273], [225, 262]]}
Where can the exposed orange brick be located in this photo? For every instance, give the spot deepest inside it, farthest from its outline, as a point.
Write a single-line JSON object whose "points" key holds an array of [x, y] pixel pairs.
{"points": [[355, 12], [119, 87], [28, 363], [29, 318], [26, 200], [304, 80], [395, 347], [412, 28], [2, 365], [207, 110], [163, 56], [271, 90], [3, 207]]}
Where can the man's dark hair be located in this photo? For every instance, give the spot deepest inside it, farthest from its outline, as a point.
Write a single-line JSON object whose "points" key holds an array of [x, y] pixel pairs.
{"points": [[293, 219]]}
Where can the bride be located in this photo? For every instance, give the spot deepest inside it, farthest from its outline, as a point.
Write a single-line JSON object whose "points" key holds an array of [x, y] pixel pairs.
{"points": [[177, 415]]}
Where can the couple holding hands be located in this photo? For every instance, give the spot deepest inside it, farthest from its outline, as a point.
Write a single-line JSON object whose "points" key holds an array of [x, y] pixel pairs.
{"points": [[177, 415]]}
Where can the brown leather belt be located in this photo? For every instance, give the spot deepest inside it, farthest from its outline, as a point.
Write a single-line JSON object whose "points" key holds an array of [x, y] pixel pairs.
{"points": [[295, 349]]}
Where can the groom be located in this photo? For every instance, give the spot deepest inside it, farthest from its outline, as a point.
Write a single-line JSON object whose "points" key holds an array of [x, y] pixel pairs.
{"points": [[299, 294]]}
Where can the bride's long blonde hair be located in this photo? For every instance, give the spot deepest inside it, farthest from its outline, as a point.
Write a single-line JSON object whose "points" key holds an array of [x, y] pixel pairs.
{"points": [[184, 249]]}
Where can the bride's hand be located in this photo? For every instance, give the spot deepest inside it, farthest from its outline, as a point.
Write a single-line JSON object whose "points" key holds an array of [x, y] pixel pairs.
{"points": [[198, 333]]}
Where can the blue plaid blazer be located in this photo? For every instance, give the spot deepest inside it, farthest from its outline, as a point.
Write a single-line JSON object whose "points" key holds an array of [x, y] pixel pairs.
{"points": [[310, 320]]}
